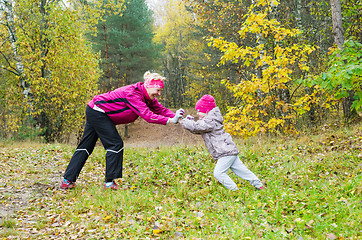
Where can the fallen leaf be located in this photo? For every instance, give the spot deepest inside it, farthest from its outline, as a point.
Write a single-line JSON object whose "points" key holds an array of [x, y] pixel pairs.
{"points": [[200, 214], [331, 236], [156, 231], [289, 230], [107, 217]]}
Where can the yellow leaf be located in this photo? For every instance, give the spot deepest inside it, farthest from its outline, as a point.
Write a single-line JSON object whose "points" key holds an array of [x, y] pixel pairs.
{"points": [[107, 217], [275, 3], [156, 231]]}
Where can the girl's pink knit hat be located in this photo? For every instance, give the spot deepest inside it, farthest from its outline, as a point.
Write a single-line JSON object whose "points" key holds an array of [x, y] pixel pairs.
{"points": [[205, 104]]}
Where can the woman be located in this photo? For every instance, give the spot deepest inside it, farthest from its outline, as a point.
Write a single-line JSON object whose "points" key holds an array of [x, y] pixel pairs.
{"points": [[121, 106]]}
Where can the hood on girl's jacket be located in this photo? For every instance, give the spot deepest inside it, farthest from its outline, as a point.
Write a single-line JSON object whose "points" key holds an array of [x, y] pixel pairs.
{"points": [[215, 115]]}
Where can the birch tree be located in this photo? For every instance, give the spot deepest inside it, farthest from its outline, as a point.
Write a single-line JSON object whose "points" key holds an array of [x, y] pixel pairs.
{"points": [[53, 57], [8, 22]]}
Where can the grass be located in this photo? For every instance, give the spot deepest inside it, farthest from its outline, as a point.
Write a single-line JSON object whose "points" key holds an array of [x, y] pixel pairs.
{"points": [[313, 192]]}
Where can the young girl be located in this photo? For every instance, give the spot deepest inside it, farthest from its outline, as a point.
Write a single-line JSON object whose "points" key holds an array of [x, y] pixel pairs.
{"points": [[219, 143]]}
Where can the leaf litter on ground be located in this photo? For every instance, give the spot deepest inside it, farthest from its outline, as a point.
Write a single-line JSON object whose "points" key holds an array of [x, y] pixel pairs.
{"points": [[313, 192]]}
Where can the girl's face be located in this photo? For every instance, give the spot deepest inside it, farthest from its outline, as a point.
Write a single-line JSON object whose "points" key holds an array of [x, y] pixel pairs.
{"points": [[201, 114], [154, 92]]}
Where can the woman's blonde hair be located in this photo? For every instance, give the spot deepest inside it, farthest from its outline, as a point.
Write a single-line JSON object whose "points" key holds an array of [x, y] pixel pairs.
{"points": [[148, 76]]}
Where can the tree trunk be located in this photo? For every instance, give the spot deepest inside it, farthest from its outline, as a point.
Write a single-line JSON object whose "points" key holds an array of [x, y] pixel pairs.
{"points": [[347, 103], [126, 131], [8, 9], [106, 52], [43, 38], [338, 33]]}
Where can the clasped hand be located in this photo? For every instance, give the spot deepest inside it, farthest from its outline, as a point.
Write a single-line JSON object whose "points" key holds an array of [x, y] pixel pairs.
{"points": [[189, 117], [178, 115]]}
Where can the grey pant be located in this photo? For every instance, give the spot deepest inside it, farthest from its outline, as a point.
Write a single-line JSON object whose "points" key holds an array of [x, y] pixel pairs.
{"points": [[236, 165]]}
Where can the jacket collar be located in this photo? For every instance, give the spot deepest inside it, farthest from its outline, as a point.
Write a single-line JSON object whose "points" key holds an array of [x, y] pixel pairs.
{"points": [[142, 87]]}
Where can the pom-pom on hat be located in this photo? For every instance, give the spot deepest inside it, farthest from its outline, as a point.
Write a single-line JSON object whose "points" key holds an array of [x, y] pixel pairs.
{"points": [[205, 104]]}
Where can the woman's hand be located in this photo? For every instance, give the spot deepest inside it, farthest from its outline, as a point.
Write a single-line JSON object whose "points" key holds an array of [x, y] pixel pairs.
{"points": [[179, 114]]}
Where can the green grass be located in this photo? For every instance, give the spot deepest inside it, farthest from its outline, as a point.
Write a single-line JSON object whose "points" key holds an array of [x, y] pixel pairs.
{"points": [[313, 192]]}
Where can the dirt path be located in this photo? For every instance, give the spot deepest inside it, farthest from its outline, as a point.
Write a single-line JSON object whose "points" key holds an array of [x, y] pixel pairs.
{"points": [[22, 176], [143, 134]]}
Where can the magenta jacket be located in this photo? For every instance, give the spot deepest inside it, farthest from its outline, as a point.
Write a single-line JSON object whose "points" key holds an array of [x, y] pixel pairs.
{"points": [[126, 104]]}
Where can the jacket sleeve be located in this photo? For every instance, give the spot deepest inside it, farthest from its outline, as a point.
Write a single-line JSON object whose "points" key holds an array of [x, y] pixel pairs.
{"points": [[157, 108], [138, 105], [203, 125]]}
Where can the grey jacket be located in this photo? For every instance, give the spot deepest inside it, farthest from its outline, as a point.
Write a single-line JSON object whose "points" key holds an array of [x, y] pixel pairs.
{"points": [[218, 142]]}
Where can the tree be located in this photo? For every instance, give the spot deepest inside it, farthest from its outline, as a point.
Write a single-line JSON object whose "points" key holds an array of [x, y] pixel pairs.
{"points": [[352, 13], [124, 39], [337, 23], [174, 36], [10, 25], [264, 102], [58, 64], [189, 65], [338, 32], [343, 77]]}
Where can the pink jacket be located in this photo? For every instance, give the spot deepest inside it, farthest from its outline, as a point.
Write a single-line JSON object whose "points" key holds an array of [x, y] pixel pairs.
{"points": [[126, 104]]}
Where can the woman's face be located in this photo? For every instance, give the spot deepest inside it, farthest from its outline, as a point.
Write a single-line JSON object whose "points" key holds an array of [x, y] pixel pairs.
{"points": [[201, 114], [154, 92]]}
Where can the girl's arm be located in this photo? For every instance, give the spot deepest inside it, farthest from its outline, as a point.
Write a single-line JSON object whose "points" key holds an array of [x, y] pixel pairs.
{"points": [[203, 125]]}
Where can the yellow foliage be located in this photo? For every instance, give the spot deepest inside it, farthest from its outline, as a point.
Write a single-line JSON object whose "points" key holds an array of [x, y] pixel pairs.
{"points": [[304, 103], [261, 109], [62, 74]]}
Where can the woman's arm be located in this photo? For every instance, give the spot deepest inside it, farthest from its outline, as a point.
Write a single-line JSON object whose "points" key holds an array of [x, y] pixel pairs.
{"points": [[156, 107], [138, 105]]}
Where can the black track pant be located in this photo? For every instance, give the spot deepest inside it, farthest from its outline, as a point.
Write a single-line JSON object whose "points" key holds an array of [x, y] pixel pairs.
{"points": [[98, 125]]}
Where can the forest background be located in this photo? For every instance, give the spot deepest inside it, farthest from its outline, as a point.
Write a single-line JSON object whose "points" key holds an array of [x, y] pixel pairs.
{"points": [[273, 67]]}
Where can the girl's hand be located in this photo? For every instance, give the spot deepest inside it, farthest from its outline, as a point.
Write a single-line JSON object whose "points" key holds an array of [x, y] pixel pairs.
{"points": [[189, 117]]}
